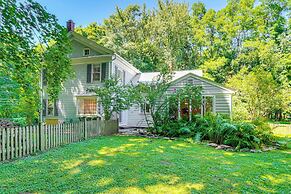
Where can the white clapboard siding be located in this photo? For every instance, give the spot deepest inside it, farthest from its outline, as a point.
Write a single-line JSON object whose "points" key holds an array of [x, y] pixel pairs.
{"points": [[222, 100]]}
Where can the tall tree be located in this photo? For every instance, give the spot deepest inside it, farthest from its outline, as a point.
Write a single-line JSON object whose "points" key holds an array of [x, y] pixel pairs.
{"points": [[23, 26], [93, 31], [246, 34]]}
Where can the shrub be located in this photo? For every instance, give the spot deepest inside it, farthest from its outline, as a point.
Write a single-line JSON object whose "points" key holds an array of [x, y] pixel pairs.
{"points": [[220, 130], [263, 130], [21, 121], [243, 137]]}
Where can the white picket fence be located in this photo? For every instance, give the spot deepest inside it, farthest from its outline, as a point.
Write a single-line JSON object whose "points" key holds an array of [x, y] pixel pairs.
{"points": [[17, 142]]}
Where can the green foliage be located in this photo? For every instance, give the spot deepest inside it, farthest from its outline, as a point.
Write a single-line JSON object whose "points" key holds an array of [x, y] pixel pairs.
{"points": [[19, 121], [155, 94], [115, 97], [93, 32], [245, 35], [217, 129], [31, 39], [257, 95]]}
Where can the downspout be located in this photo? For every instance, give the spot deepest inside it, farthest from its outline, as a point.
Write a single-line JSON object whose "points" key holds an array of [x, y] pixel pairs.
{"points": [[190, 109], [111, 75], [179, 109]]}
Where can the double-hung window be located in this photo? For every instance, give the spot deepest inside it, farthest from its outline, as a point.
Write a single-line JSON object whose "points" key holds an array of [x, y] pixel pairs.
{"points": [[96, 72]]}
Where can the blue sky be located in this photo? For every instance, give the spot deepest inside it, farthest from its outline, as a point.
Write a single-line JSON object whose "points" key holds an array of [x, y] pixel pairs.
{"points": [[84, 12]]}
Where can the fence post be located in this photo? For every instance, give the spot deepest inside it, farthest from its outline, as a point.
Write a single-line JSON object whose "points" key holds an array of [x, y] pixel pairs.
{"points": [[85, 129], [41, 137]]}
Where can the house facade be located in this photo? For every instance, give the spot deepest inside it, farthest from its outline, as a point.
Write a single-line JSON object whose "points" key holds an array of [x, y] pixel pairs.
{"points": [[93, 64]]}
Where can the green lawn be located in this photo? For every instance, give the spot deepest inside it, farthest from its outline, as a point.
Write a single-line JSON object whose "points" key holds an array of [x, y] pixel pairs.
{"points": [[282, 131], [140, 165]]}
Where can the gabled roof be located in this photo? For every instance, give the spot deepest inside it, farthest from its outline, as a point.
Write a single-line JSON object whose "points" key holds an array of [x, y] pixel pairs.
{"points": [[178, 75], [90, 43], [127, 64], [150, 76], [101, 49], [205, 80]]}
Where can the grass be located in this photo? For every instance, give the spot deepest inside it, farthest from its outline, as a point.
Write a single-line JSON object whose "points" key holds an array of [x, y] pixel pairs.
{"points": [[139, 165], [282, 130]]}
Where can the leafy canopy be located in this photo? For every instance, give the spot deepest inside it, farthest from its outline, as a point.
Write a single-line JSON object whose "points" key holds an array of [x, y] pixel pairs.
{"points": [[31, 40], [115, 97]]}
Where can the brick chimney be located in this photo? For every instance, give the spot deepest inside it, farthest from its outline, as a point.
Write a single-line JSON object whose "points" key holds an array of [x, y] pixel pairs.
{"points": [[70, 26]]}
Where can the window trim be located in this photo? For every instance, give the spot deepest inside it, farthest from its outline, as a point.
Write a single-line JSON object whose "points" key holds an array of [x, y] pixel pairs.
{"points": [[122, 75], [92, 72], [47, 107], [87, 97], [84, 55], [213, 106], [190, 81], [144, 105]]}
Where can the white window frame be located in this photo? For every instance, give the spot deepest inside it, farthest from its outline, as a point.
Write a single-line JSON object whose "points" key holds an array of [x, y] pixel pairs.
{"points": [[77, 107], [213, 106], [119, 73], [144, 106], [84, 51], [92, 72], [46, 108]]}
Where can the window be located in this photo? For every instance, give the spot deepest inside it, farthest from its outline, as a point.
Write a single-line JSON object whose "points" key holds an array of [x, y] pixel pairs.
{"points": [[190, 81], [87, 106], [145, 107], [96, 72], [173, 109], [50, 107], [120, 75], [208, 104], [86, 52], [44, 77]]}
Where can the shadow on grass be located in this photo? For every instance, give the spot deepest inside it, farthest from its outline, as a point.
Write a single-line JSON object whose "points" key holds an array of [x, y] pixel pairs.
{"points": [[140, 165]]}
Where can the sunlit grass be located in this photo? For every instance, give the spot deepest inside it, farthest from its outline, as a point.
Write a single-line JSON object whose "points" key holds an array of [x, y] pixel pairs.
{"points": [[141, 165], [282, 130]]}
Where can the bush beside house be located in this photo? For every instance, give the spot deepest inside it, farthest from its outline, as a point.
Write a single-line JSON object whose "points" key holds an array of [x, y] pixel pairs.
{"points": [[219, 130]]}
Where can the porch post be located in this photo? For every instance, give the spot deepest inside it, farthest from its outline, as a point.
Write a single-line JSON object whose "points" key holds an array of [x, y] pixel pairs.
{"points": [[190, 109], [179, 109]]}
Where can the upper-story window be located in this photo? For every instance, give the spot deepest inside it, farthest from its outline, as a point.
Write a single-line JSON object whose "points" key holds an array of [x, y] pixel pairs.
{"points": [[96, 72], [86, 52], [190, 81]]}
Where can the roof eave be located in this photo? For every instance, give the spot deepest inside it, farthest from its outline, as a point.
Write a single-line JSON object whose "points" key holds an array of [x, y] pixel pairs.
{"points": [[206, 80], [97, 47]]}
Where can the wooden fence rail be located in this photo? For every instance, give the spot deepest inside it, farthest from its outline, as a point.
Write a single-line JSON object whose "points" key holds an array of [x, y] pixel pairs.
{"points": [[17, 142]]}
